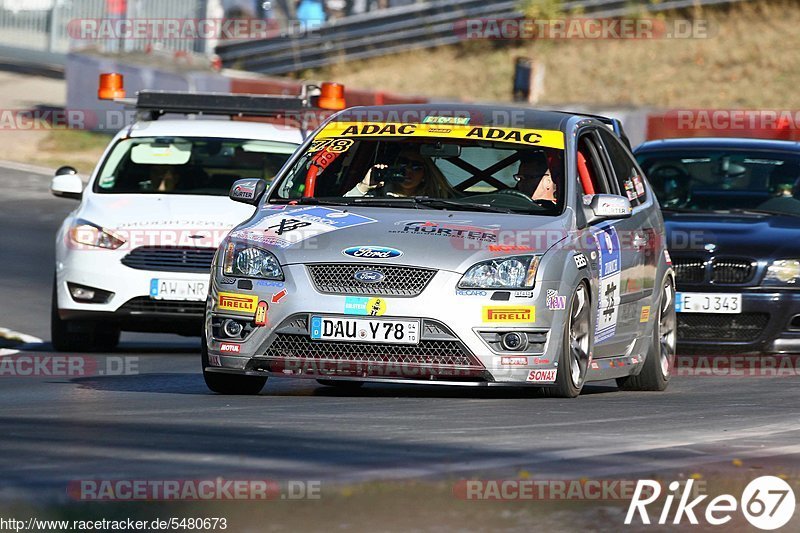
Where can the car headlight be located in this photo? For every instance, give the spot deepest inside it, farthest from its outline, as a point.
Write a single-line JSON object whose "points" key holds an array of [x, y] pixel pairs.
{"points": [[250, 262], [84, 232], [516, 272], [784, 271]]}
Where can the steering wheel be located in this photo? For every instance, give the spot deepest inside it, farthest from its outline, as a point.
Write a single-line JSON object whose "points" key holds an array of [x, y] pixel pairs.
{"points": [[679, 180], [665, 172], [514, 192]]}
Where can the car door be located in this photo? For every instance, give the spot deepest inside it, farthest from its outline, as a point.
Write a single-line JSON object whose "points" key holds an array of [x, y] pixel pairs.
{"points": [[614, 328], [641, 239]]}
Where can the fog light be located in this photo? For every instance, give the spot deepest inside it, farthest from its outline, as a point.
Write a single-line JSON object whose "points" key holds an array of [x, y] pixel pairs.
{"points": [[514, 342], [81, 293], [232, 328], [84, 294]]}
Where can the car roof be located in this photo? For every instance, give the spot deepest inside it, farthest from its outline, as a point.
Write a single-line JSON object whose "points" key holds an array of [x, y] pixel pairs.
{"points": [[716, 143], [232, 129], [479, 115]]}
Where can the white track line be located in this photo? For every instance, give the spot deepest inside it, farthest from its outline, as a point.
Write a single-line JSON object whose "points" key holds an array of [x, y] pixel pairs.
{"points": [[6, 333], [25, 167]]}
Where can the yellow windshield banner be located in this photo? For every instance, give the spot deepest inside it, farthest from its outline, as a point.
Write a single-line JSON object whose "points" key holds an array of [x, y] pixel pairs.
{"points": [[528, 137]]}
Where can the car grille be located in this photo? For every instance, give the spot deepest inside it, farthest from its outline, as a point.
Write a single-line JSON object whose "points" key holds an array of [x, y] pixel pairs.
{"points": [[689, 270], [399, 281], [172, 259], [732, 271], [724, 271], [146, 305], [742, 327], [439, 349]]}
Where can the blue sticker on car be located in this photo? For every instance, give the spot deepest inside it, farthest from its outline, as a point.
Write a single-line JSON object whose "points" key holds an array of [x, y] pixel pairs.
{"points": [[610, 268]]}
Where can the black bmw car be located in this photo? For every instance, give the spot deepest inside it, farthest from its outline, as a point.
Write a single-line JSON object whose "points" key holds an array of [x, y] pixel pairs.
{"points": [[732, 213]]}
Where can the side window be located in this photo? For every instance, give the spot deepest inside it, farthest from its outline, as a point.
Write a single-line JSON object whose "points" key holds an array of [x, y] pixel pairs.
{"points": [[590, 170], [626, 172]]}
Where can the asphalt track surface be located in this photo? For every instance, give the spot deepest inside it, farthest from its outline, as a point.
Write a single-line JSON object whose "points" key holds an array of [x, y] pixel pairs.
{"points": [[162, 422]]}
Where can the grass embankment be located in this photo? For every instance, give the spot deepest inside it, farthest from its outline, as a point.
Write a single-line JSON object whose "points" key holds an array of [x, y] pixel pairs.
{"points": [[749, 60]]}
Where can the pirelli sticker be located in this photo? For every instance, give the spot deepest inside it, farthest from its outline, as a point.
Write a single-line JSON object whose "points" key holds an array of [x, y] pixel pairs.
{"points": [[509, 314], [529, 137], [238, 303]]}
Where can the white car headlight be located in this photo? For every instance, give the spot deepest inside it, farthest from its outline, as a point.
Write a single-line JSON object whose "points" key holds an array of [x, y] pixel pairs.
{"points": [[516, 272], [784, 271], [250, 262], [88, 234]]}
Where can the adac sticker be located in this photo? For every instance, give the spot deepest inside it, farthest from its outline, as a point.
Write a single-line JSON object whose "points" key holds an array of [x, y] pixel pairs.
{"points": [[357, 305], [509, 314], [524, 136], [644, 316], [286, 228], [608, 251], [261, 313], [236, 302]]}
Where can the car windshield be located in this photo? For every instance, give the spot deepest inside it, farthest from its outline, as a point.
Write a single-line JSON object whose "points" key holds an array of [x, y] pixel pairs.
{"points": [[188, 165], [430, 166], [724, 180]]}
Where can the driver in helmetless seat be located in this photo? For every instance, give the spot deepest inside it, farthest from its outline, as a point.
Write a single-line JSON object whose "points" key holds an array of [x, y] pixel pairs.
{"points": [[534, 179]]}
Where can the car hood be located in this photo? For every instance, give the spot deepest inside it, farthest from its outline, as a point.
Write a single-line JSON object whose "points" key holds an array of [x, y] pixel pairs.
{"points": [[747, 235], [167, 220], [445, 240]]}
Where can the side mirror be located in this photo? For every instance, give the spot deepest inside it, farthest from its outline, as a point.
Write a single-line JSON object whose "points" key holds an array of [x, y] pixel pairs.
{"points": [[606, 207], [67, 184], [247, 191]]}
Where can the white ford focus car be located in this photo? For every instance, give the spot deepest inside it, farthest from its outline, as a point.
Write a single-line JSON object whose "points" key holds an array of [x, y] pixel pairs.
{"points": [[136, 253]]}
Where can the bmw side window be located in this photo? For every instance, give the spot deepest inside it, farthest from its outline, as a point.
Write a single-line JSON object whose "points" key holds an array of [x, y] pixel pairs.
{"points": [[628, 177]]}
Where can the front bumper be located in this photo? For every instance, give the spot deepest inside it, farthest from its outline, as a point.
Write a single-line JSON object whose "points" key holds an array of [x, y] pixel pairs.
{"points": [[769, 323], [130, 307], [453, 345]]}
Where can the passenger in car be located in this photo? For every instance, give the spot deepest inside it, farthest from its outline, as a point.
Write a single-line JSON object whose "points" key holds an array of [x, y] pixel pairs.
{"points": [[535, 179]]}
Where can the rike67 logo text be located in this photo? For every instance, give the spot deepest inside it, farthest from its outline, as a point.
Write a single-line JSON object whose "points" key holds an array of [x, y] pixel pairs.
{"points": [[767, 502]]}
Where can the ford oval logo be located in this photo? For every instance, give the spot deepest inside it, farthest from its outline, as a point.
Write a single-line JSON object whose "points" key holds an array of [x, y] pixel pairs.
{"points": [[369, 276], [372, 252]]}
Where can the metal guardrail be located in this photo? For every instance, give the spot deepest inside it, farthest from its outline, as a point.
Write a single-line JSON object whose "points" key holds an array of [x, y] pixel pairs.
{"points": [[402, 29], [44, 31]]}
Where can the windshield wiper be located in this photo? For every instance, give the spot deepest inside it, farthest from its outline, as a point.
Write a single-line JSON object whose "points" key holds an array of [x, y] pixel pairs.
{"points": [[756, 211], [683, 210], [464, 206], [310, 200]]}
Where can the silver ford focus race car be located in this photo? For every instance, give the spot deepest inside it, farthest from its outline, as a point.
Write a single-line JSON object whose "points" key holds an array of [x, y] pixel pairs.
{"points": [[447, 245]]}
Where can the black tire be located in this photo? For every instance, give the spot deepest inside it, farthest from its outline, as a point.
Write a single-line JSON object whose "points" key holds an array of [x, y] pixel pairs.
{"points": [[341, 384], [658, 364], [80, 335], [232, 384], [573, 362]]}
